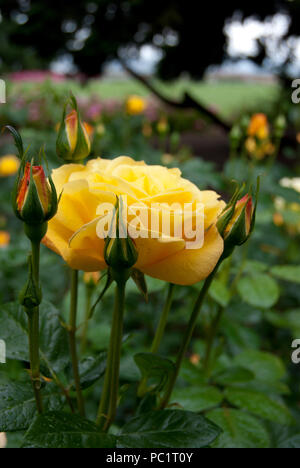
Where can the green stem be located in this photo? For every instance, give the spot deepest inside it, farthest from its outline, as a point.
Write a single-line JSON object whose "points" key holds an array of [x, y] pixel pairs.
{"points": [[163, 320], [109, 399], [34, 332], [33, 327], [187, 337], [88, 303], [159, 333], [72, 341], [210, 341]]}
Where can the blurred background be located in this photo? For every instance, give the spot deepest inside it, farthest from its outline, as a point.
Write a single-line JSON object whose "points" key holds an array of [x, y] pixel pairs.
{"points": [[215, 62], [203, 86]]}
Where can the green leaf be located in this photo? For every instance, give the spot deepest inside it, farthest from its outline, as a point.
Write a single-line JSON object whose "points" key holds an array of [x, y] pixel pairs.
{"points": [[234, 375], [287, 273], [13, 326], [259, 291], [220, 293], [192, 374], [155, 367], [197, 398], [168, 429], [265, 366], [62, 430], [259, 404], [289, 319], [254, 267], [291, 442], [240, 430], [18, 407], [53, 337], [239, 336], [92, 369]]}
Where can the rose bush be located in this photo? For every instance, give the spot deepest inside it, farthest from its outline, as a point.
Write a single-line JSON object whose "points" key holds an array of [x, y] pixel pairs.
{"points": [[74, 232]]}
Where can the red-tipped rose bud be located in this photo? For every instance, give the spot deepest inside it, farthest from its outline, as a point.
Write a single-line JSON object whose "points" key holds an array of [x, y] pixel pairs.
{"points": [[73, 142], [237, 221], [34, 199]]}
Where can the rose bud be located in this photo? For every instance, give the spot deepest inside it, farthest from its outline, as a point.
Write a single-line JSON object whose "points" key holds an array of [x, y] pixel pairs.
{"points": [[280, 127], [119, 252], [34, 199], [237, 221], [73, 142]]}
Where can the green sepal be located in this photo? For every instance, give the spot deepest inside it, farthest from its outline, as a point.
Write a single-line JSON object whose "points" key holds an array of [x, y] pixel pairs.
{"points": [[63, 148], [30, 296], [32, 211], [15, 190], [229, 210], [139, 279], [238, 234], [18, 139], [108, 283], [119, 252], [36, 232], [83, 148], [54, 201]]}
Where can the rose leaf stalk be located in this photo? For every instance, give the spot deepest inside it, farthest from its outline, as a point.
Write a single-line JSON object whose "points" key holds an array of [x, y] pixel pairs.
{"points": [[72, 340], [235, 225], [73, 145], [35, 203], [120, 256], [187, 338], [159, 332], [30, 298]]}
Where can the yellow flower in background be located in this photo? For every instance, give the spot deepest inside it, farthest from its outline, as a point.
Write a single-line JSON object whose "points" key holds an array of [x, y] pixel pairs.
{"points": [[278, 219], [259, 127], [72, 233], [135, 105], [250, 145], [167, 159], [258, 143], [163, 126], [92, 279], [4, 239], [9, 165]]}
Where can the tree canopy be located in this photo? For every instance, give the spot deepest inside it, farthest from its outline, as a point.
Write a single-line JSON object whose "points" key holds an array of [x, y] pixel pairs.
{"points": [[189, 34]]}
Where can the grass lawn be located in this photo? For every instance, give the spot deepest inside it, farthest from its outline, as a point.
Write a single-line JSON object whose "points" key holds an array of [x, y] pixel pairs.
{"points": [[227, 97]]}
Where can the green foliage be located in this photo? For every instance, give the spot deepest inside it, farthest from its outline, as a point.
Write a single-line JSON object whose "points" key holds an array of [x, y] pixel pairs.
{"points": [[62, 430], [168, 429], [240, 430], [245, 397]]}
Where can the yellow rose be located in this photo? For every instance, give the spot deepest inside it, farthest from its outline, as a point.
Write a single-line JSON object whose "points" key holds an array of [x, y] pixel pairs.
{"points": [[74, 232], [135, 105], [9, 165]]}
